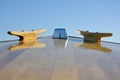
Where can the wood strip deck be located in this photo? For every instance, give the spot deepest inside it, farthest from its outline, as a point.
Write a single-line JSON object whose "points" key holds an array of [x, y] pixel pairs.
{"points": [[60, 62]]}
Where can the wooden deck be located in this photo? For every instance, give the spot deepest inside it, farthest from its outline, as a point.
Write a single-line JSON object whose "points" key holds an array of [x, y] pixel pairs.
{"points": [[60, 60]]}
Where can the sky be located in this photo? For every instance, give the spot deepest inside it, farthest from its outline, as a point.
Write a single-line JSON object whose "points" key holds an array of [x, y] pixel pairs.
{"points": [[91, 15]]}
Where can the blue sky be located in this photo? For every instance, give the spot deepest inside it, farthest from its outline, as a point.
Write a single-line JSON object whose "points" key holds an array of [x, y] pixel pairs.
{"points": [[92, 15]]}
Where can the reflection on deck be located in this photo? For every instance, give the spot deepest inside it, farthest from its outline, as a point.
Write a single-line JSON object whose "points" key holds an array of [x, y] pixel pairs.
{"points": [[94, 46], [60, 43], [24, 45]]}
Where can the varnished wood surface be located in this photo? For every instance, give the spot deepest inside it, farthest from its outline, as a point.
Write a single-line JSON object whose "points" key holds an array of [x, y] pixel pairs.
{"points": [[60, 60]]}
